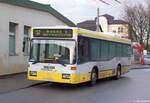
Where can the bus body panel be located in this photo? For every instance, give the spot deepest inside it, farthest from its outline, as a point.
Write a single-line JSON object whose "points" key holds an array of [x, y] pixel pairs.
{"points": [[105, 68]]}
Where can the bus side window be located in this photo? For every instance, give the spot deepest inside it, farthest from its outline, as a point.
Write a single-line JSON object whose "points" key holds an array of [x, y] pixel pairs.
{"points": [[104, 50], [118, 50], [83, 50]]}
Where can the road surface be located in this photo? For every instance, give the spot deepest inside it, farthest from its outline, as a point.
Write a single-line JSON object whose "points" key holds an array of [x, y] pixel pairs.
{"points": [[133, 87]]}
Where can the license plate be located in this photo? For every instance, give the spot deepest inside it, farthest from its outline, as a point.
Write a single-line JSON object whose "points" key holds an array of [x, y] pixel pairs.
{"points": [[48, 68]]}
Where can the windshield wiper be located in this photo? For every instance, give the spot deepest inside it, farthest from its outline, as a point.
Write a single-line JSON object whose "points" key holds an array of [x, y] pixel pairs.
{"points": [[35, 62], [61, 63]]}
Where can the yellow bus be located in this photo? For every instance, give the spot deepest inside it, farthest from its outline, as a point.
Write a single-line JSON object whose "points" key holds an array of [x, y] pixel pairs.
{"points": [[73, 55]]}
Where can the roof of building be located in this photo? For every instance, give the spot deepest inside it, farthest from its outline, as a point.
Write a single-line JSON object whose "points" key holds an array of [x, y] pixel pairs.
{"points": [[109, 17], [118, 22], [111, 20], [39, 6], [91, 24], [88, 24]]}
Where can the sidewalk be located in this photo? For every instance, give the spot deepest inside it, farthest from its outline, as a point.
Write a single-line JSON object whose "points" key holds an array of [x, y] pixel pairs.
{"points": [[139, 66], [15, 82]]}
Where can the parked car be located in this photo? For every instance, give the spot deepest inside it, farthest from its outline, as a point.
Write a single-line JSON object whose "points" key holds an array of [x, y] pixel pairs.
{"points": [[147, 59]]}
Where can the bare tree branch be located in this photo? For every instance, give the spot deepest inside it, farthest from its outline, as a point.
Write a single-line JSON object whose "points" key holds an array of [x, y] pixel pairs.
{"points": [[104, 2], [139, 22], [118, 1]]}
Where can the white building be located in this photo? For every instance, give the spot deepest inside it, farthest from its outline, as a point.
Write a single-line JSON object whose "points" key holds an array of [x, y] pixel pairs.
{"points": [[16, 19]]}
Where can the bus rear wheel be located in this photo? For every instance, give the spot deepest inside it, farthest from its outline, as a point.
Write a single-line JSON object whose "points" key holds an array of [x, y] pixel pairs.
{"points": [[94, 77], [118, 74]]}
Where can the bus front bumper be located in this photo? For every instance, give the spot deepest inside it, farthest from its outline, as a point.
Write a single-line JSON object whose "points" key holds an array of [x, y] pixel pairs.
{"points": [[58, 77]]}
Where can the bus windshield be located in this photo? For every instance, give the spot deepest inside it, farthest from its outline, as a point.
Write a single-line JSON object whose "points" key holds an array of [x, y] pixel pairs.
{"points": [[53, 51]]}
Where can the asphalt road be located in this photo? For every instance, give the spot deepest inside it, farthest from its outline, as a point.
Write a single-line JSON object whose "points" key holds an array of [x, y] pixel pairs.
{"points": [[133, 87]]}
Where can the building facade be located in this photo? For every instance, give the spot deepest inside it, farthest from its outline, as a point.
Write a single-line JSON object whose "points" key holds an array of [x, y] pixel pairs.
{"points": [[16, 19], [108, 24]]}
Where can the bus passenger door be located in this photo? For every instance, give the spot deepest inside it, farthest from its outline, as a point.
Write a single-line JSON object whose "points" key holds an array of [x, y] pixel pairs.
{"points": [[83, 58]]}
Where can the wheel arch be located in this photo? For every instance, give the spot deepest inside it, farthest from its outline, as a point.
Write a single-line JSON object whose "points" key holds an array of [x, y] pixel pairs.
{"points": [[119, 66], [96, 69]]}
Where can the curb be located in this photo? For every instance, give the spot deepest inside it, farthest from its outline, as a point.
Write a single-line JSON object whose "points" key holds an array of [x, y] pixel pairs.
{"points": [[140, 68], [21, 88], [11, 75]]}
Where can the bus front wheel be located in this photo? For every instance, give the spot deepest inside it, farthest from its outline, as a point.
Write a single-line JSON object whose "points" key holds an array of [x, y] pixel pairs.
{"points": [[94, 77]]}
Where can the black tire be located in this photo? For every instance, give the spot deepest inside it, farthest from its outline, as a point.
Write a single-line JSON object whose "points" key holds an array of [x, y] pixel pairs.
{"points": [[118, 74], [94, 77]]}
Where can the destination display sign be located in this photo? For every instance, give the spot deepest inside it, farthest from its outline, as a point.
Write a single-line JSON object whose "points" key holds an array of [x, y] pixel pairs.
{"points": [[55, 33]]}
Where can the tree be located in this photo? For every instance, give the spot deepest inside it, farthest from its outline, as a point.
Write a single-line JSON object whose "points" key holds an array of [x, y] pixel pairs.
{"points": [[139, 23], [148, 25]]}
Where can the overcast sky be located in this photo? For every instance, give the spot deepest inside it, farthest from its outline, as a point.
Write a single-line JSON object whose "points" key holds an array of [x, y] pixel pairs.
{"points": [[80, 10]]}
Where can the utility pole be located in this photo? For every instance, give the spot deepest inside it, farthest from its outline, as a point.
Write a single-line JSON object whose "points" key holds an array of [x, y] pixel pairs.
{"points": [[98, 26]]}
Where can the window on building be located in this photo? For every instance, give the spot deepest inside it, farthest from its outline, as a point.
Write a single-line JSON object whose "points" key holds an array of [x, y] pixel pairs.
{"points": [[119, 30], [114, 31], [12, 38], [26, 40]]}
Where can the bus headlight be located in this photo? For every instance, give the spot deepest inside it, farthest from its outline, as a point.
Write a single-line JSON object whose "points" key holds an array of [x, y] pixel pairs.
{"points": [[65, 76], [33, 73], [73, 68]]}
